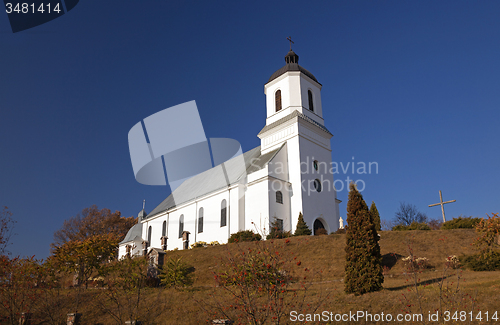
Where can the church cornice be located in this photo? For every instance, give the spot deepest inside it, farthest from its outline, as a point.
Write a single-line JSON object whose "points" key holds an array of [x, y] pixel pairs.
{"points": [[295, 114]]}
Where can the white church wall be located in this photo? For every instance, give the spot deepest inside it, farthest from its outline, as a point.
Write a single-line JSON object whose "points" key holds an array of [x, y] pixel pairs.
{"points": [[276, 139], [234, 210], [212, 230], [279, 210], [136, 249], [294, 88], [289, 84], [241, 207], [278, 181], [278, 166], [295, 178], [256, 205], [259, 174], [305, 85], [323, 204], [270, 91]]}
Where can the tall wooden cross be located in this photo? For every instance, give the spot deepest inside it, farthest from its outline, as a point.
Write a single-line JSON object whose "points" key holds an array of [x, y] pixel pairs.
{"points": [[291, 42], [442, 204]]}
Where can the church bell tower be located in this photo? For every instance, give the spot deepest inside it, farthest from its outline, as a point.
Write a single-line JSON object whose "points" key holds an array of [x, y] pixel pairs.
{"points": [[295, 123]]}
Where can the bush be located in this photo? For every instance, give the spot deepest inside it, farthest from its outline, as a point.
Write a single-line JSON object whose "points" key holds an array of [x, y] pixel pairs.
{"points": [[176, 273], [320, 231], [414, 226], [413, 263], [435, 224], [244, 235], [277, 231], [280, 234], [452, 261], [484, 261], [460, 223], [199, 244], [339, 231]]}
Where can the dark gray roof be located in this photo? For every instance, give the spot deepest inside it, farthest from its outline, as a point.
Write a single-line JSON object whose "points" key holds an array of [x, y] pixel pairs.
{"points": [[133, 233], [292, 67], [289, 117], [141, 215], [214, 179]]}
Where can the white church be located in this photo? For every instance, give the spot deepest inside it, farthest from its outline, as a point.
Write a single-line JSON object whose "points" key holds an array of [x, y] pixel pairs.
{"points": [[288, 174]]}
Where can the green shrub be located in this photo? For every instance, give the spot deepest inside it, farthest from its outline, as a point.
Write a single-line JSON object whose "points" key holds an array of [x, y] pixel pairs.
{"points": [[302, 229], [176, 273], [488, 260], [414, 226], [460, 223], [244, 235], [363, 261]]}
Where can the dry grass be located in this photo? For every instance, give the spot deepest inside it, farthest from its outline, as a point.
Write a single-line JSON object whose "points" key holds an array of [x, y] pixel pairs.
{"points": [[325, 254]]}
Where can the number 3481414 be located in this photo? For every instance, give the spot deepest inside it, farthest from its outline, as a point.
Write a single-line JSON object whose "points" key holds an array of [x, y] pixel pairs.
{"points": [[31, 8]]}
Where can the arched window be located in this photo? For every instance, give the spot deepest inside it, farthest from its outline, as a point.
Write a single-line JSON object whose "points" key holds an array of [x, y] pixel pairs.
{"points": [[164, 228], [149, 236], [200, 220], [279, 197], [278, 100], [223, 213], [310, 97], [317, 185], [181, 225]]}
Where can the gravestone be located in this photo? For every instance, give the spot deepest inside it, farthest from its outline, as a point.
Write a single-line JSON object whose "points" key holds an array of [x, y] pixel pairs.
{"points": [[73, 319]]}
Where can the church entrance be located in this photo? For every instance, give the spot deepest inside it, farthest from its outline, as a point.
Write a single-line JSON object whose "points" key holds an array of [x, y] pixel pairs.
{"points": [[319, 228]]}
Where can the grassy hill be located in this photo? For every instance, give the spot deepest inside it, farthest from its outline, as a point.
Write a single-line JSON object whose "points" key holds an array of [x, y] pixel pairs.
{"points": [[452, 289], [479, 290]]}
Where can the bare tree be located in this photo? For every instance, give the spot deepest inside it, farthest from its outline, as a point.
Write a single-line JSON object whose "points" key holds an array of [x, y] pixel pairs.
{"points": [[6, 227], [408, 213]]}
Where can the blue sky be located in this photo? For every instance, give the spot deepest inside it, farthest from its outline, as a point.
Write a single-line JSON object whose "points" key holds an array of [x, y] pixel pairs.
{"points": [[411, 85]]}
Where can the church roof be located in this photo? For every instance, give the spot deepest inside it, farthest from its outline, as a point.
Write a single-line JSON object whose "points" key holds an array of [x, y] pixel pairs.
{"points": [[289, 117], [292, 64], [133, 233], [292, 67], [215, 179]]}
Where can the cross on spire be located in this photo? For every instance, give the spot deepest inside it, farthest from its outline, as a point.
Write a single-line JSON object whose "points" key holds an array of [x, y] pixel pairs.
{"points": [[143, 204], [289, 38], [441, 203]]}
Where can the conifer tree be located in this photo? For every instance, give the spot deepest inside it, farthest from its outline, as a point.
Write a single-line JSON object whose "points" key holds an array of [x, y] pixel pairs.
{"points": [[302, 228], [363, 267], [375, 216]]}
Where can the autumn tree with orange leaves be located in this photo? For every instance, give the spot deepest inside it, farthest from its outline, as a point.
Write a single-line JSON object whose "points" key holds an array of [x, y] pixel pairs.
{"points": [[84, 257], [90, 222]]}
